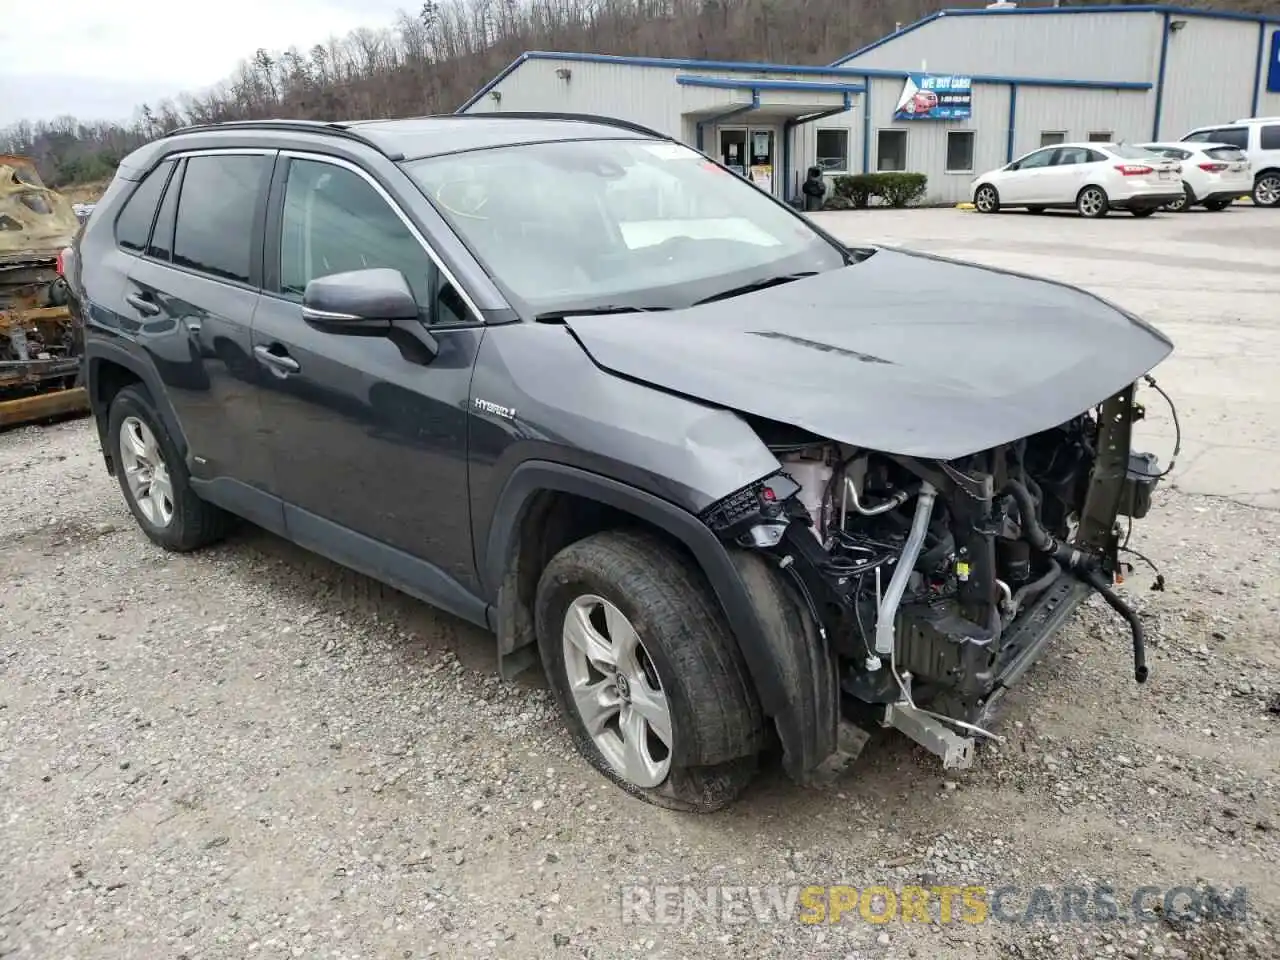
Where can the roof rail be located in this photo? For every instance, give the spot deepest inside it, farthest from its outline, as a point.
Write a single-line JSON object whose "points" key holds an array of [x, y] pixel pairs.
{"points": [[579, 117], [297, 126]]}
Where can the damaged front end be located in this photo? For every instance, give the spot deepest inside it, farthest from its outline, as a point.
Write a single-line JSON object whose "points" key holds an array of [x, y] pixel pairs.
{"points": [[936, 584]]}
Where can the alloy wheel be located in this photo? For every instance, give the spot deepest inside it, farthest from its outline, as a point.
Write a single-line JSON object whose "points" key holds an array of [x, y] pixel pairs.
{"points": [[985, 200], [1266, 192], [1092, 202], [145, 472], [616, 691]]}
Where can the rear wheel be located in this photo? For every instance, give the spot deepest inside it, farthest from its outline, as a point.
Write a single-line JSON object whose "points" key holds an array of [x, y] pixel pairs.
{"points": [[1218, 205], [1092, 202], [1143, 211], [1266, 189], [647, 674], [986, 199], [1183, 203], [153, 477]]}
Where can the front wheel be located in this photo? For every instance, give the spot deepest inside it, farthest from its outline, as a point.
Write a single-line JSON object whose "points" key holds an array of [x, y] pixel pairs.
{"points": [[1093, 203], [1266, 189], [646, 672], [986, 199]]}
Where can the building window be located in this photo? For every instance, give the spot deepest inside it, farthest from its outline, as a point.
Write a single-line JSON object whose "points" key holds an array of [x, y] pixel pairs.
{"points": [[1101, 136], [959, 151], [891, 150], [833, 150], [1050, 138]]}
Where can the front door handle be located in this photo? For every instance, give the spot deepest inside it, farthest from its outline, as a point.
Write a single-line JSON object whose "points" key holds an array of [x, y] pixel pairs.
{"points": [[143, 304], [279, 363]]}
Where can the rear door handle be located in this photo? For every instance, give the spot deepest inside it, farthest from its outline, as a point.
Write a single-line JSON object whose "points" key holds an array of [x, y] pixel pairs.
{"points": [[142, 303], [279, 363]]}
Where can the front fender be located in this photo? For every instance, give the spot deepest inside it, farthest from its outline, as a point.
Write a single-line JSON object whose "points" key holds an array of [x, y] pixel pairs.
{"points": [[793, 674]]}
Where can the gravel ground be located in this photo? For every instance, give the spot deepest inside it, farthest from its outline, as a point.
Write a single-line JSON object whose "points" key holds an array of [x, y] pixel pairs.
{"points": [[250, 752]]}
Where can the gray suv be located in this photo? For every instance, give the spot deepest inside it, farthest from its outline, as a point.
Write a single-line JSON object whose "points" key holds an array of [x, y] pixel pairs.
{"points": [[739, 488]]}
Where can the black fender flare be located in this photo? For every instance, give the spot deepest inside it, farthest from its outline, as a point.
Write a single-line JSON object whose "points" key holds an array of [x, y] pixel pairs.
{"points": [[792, 672], [97, 352]]}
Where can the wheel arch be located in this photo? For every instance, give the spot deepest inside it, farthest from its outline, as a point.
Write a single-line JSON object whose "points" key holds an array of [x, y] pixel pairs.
{"points": [[544, 506], [108, 369]]}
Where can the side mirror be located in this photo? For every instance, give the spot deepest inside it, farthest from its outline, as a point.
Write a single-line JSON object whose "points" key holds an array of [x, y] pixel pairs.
{"points": [[1011, 167], [360, 302]]}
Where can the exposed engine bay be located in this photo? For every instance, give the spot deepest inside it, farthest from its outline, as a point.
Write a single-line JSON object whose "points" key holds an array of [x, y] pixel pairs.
{"points": [[936, 584]]}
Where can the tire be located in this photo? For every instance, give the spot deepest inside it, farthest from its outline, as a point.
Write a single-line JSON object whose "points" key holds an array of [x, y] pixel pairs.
{"points": [[170, 514], [1186, 203], [1217, 206], [685, 656], [1141, 212], [986, 199], [1266, 189], [1092, 203]]}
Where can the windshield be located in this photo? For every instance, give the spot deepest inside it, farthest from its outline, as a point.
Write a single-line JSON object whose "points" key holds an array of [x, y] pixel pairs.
{"points": [[617, 223]]}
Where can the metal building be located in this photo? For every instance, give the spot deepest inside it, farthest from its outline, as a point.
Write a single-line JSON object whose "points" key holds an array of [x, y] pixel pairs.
{"points": [[949, 96]]}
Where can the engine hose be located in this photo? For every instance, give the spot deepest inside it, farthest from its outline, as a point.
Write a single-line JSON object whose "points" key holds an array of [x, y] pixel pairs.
{"points": [[1083, 567], [1031, 528], [1095, 580]]}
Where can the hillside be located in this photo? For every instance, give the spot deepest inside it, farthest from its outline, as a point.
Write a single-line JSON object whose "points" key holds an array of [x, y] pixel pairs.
{"points": [[432, 59]]}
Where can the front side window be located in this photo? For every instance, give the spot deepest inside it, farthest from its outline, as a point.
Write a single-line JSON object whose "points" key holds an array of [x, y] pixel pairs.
{"points": [[1236, 136], [215, 223], [1034, 161], [891, 150], [335, 221], [134, 223], [833, 150], [625, 222]]}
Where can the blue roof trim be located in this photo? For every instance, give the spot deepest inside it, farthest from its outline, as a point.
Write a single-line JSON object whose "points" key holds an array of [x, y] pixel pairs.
{"points": [[729, 66], [750, 83], [893, 36], [1062, 11]]}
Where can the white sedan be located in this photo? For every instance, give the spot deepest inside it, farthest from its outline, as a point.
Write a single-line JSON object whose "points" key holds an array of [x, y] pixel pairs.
{"points": [[1091, 177], [1213, 174]]}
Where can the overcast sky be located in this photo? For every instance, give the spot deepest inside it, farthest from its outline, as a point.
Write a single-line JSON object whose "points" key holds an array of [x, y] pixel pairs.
{"points": [[99, 59]]}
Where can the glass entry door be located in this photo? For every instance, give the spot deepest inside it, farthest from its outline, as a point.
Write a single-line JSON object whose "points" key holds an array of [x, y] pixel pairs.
{"points": [[750, 151]]}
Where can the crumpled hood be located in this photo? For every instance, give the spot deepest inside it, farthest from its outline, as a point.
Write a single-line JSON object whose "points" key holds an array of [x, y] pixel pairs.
{"points": [[902, 353]]}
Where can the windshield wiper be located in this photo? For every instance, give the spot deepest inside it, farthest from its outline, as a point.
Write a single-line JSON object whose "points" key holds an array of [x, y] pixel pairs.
{"points": [[756, 285], [551, 316]]}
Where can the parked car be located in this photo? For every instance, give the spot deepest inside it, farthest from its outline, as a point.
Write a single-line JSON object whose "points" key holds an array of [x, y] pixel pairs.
{"points": [[733, 483], [1091, 177], [1214, 175], [1259, 138]]}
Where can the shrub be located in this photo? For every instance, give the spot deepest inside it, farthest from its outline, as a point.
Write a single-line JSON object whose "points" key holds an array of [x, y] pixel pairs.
{"points": [[893, 189], [837, 202]]}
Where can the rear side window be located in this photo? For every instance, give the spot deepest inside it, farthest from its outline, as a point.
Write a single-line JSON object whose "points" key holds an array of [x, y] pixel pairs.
{"points": [[216, 208], [133, 226], [161, 244], [1271, 136]]}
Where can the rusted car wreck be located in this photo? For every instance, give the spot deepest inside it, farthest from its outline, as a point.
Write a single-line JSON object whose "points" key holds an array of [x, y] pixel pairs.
{"points": [[39, 342]]}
